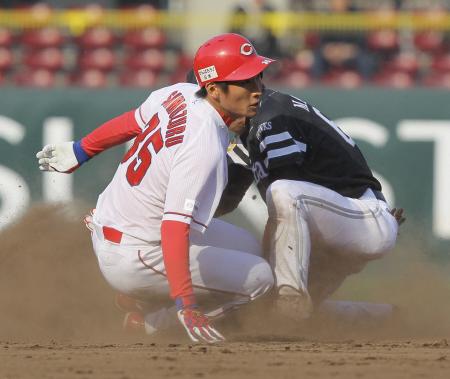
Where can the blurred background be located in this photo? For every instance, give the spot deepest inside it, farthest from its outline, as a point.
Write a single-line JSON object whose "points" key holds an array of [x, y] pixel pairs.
{"points": [[381, 69], [112, 43]]}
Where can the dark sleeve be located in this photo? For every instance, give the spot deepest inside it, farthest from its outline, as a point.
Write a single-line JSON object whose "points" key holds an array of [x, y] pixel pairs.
{"points": [[239, 180]]}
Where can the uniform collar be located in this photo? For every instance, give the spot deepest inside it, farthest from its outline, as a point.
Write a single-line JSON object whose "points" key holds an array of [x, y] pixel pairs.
{"points": [[226, 119]]}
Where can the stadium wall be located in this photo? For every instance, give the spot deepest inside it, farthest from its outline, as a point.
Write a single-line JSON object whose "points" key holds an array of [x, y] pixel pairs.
{"points": [[405, 136]]}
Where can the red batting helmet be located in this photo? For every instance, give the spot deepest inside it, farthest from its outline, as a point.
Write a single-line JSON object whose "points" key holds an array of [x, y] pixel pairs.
{"points": [[228, 57]]}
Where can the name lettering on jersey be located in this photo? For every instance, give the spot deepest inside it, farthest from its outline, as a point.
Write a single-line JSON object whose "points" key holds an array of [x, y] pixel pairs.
{"points": [[297, 103], [262, 128], [175, 106], [331, 123]]}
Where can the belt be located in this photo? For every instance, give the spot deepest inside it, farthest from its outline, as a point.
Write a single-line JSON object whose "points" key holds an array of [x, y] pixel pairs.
{"points": [[379, 195], [111, 234]]}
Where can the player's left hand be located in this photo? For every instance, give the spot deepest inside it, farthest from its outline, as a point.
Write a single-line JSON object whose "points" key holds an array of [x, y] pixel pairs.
{"points": [[398, 214], [58, 157], [198, 327]]}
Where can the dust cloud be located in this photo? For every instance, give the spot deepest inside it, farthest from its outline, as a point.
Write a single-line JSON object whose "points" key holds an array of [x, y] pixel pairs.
{"points": [[51, 289]]}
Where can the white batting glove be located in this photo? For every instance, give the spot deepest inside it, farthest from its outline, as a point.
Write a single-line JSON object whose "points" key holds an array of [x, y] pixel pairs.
{"points": [[60, 157], [197, 326]]}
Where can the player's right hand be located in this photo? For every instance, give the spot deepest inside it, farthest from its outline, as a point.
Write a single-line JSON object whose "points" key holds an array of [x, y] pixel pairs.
{"points": [[59, 157], [198, 327]]}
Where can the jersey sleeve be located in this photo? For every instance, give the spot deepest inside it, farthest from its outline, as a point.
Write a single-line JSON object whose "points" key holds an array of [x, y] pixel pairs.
{"points": [[197, 179], [238, 154], [119, 129], [113, 132], [281, 144]]}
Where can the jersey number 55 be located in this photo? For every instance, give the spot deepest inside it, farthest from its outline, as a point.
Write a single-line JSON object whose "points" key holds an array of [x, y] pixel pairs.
{"points": [[140, 164]]}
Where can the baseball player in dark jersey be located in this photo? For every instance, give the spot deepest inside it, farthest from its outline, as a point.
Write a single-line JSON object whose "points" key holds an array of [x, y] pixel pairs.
{"points": [[321, 198]]}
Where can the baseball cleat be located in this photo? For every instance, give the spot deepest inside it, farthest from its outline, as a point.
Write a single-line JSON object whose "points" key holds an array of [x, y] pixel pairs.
{"points": [[126, 303], [294, 304], [134, 322]]}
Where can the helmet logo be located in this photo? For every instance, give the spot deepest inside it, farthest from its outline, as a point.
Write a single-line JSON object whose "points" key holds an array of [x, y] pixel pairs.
{"points": [[246, 49]]}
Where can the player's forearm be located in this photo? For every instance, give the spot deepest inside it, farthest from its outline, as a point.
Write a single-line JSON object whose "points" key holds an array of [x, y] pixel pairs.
{"points": [[113, 132], [175, 247]]}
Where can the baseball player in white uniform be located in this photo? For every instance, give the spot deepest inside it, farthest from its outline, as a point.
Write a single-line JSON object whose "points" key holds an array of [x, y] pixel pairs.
{"points": [[152, 230]]}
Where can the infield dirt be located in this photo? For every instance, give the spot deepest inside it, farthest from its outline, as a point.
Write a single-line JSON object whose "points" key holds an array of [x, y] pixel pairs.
{"points": [[58, 319]]}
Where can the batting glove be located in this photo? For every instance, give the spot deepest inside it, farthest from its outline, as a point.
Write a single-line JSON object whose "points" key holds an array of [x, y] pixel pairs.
{"points": [[63, 157], [198, 327]]}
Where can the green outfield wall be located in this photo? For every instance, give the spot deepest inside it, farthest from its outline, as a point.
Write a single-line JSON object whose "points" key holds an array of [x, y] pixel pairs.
{"points": [[405, 136]]}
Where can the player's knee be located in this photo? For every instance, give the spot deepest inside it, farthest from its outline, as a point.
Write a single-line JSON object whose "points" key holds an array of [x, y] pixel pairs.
{"points": [[388, 242], [387, 238], [391, 240], [380, 248], [260, 279]]}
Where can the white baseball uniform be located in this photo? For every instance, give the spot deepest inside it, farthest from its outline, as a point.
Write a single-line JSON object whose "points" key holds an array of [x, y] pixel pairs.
{"points": [[345, 234], [176, 170]]}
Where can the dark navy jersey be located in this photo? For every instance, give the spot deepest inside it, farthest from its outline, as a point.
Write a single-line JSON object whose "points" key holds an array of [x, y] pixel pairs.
{"points": [[290, 139]]}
